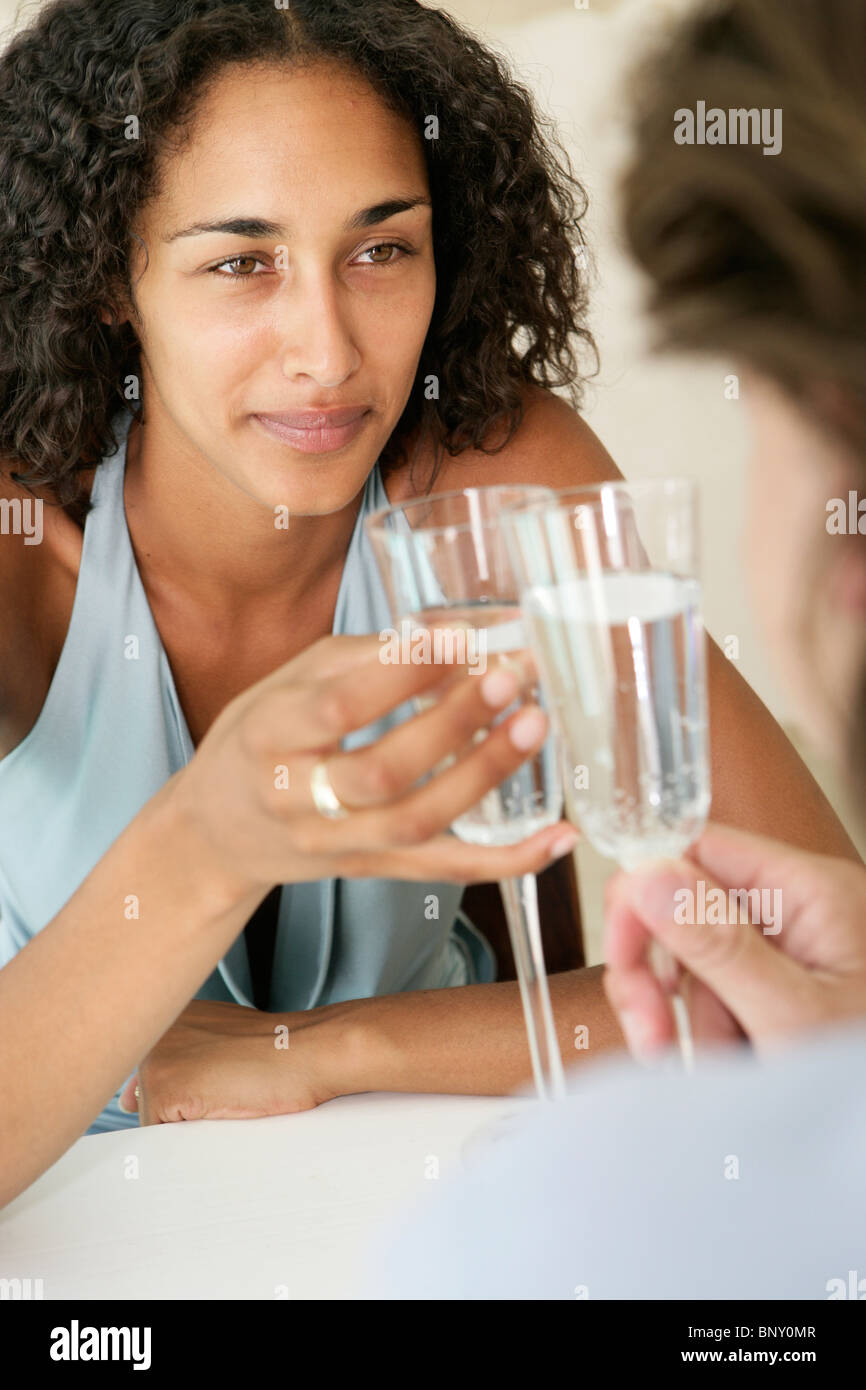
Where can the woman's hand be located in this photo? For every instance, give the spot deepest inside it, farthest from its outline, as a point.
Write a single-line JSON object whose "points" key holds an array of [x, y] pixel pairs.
{"points": [[228, 1062], [246, 793], [791, 958]]}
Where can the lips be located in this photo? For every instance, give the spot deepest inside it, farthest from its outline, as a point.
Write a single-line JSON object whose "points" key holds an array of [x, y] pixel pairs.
{"points": [[315, 419], [316, 431]]}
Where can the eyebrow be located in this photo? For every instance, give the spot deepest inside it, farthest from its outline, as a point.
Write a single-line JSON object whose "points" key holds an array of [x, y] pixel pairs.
{"points": [[262, 227]]}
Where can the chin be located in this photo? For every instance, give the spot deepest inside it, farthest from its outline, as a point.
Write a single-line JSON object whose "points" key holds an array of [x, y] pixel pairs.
{"points": [[306, 490]]}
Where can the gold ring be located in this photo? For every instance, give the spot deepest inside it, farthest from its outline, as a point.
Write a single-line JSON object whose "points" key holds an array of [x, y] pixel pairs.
{"points": [[137, 1093], [327, 803]]}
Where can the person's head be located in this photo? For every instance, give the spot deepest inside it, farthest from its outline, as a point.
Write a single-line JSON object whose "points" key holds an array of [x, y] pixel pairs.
{"points": [[400, 236], [759, 256]]}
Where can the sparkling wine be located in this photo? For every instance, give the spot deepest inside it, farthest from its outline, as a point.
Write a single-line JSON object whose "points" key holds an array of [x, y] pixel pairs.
{"points": [[531, 798], [622, 659]]}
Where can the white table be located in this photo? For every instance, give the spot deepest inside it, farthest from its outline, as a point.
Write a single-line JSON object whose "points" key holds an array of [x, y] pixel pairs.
{"points": [[242, 1209]]}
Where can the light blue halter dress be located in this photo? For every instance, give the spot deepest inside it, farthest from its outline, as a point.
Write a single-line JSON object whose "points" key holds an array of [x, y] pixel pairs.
{"points": [[110, 734]]}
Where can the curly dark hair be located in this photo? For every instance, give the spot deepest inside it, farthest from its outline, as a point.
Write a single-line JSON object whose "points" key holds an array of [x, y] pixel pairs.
{"points": [[511, 296]]}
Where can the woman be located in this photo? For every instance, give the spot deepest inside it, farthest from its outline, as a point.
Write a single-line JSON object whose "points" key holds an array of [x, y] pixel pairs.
{"points": [[228, 213], [742, 1181]]}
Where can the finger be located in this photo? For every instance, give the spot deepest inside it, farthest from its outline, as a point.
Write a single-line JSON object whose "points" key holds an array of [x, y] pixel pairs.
{"points": [[128, 1101], [318, 713], [391, 766], [708, 1016], [332, 656], [645, 1014], [146, 1113], [643, 1011], [449, 860], [739, 859], [432, 808], [321, 661], [753, 979], [633, 990], [149, 1112], [626, 935]]}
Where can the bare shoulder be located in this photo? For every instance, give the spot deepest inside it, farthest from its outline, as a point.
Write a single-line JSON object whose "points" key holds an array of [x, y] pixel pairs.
{"points": [[33, 526], [553, 446], [21, 530], [40, 553], [34, 530]]}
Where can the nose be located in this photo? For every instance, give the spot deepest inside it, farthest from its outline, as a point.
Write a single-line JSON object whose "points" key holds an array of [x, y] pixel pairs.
{"points": [[319, 343]]}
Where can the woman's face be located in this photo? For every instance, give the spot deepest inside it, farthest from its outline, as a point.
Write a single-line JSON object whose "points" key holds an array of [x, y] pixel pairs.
{"points": [[325, 304], [810, 584]]}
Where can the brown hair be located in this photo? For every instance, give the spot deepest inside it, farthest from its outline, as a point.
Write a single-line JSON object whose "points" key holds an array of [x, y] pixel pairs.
{"points": [[763, 255], [507, 210]]}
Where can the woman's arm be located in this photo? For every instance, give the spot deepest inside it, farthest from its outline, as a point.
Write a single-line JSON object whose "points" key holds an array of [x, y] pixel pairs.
{"points": [[92, 991], [97, 986], [470, 1040], [225, 1061]]}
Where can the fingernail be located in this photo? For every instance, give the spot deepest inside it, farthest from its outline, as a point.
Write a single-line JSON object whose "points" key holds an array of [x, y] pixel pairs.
{"points": [[528, 729], [637, 1035], [124, 1108], [564, 844], [651, 890], [499, 688]]}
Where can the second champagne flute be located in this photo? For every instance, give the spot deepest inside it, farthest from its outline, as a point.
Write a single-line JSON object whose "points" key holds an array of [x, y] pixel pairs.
{"points": [[445, 563], [612, 599]]}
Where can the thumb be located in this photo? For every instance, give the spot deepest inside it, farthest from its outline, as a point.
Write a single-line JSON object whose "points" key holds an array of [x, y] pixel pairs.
{"points": [[127, 1100], [711, 932]]}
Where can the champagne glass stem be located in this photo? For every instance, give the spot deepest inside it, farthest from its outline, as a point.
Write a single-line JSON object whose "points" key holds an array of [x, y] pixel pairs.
{"points": [[520, 900], [669, 975]]}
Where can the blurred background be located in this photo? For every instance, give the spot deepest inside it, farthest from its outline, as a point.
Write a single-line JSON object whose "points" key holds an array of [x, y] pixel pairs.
{"points": [[669, 415]]}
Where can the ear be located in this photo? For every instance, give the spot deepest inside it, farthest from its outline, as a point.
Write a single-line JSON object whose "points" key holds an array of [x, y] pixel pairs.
{"points": [[115, 314], [837, 407], [116, 308], [850, 585]]}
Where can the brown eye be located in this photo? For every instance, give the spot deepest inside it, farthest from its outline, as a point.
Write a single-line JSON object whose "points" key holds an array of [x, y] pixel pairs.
{"points": [[236, 274], [389, 248]]}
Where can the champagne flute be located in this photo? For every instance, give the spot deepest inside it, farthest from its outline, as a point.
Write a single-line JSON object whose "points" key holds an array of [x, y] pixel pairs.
{"points": [[611, 596], [445, 564]]}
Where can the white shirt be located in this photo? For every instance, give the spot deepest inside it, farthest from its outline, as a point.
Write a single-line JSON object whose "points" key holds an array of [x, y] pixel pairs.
{"points": [[745, 1179]]}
